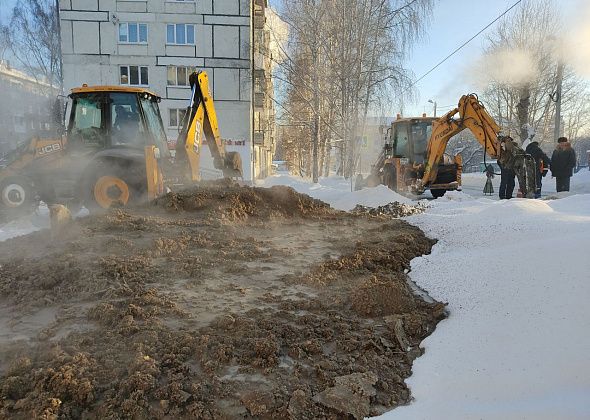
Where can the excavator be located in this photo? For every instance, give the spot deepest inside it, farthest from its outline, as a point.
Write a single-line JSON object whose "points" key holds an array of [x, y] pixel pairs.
{"points": [[114, 152], [414, 158]]}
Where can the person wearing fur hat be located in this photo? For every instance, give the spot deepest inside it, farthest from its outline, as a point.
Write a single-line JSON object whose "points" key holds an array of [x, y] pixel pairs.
{"points": [[542, 162], [563, 162]]}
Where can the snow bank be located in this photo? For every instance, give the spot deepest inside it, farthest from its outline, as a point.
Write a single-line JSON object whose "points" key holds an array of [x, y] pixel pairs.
{"points": [[515, 275], [336, 191]]}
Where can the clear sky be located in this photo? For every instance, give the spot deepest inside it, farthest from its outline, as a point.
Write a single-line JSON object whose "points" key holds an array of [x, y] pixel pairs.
{"points": [[454, 22]]}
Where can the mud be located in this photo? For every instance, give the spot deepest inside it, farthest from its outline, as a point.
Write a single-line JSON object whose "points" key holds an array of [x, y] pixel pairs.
{"points": [[214, 303]]}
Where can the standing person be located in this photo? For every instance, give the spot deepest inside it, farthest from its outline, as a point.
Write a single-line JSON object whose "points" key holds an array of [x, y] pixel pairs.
{"points": [[506, 182], [506, 172], [542, 162], [563, 162]]}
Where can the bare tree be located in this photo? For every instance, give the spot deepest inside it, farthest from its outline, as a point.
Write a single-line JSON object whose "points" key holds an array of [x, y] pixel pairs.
{"points": [[524, 54], [4, 43], [34, 39], [343, 58]]}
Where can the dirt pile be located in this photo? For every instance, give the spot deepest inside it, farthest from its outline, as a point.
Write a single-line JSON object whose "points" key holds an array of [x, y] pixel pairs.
{"points": [[394, 209], [170, 312], [231, 201]]}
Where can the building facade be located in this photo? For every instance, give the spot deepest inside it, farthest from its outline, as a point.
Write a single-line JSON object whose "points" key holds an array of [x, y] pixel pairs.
{"points": [[26, 109], [157, 43]]}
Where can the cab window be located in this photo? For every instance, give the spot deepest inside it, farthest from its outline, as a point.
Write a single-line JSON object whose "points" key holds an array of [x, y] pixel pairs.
{"points": [[87, 128], [400, 140], [126, 126], [154, 123], [420, 134]]}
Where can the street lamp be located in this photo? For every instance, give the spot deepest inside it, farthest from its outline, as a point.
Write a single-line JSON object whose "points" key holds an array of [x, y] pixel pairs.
{"points": [[434, 103]]}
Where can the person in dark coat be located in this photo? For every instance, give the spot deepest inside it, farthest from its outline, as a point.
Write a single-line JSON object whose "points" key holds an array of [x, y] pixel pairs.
{"points": [[563, 162], [506, 182], [542, 162], [507, 173]]}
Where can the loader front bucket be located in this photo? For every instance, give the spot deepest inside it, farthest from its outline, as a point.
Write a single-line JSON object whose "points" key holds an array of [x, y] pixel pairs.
{"points": [[232, 167]]}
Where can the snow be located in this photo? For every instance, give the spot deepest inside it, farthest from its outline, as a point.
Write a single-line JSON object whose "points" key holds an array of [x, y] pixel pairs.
{"points": [[515, 274]]}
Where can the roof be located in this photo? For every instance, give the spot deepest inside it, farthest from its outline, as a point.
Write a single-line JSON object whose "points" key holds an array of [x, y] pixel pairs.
{"points": [[419, 119], [111, 88]]}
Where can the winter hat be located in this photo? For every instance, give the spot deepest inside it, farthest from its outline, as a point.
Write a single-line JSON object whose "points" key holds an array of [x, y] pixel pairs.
{"points": [[562, 140]]}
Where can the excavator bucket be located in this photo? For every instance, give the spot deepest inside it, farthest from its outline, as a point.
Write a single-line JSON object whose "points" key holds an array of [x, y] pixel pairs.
{"points": [[232, 167]]}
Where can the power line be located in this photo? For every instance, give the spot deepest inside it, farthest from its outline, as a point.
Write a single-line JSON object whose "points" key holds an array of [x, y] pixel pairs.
{"points": [[466, 42]]}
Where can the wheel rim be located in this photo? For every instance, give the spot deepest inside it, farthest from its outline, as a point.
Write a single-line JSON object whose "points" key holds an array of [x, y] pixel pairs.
{"points": [[110, 190], [13, 195]]}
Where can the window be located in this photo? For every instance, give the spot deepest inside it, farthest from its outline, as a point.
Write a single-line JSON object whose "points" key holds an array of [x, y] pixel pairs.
{"points": [[178, 75], [154, 122], [134, 75], [400, 140], [180, 34], [176, 117], [133, 33], [126, 127]]}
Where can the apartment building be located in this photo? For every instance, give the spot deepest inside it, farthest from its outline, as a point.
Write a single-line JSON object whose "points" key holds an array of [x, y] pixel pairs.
{"points": [[157, 43], [26, 109]]}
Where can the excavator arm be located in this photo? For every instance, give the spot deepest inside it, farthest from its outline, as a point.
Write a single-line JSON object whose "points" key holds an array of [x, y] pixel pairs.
{"points": [[473, 116], [200, 120]]}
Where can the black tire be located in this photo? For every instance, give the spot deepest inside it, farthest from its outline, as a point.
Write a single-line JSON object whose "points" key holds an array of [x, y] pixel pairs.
{"points": [[436, 193], [114, 184], [17, 197]]}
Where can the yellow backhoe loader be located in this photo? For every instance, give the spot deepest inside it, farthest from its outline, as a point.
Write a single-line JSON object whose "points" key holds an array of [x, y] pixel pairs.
{"points": [[114, 151], [414, 158]]}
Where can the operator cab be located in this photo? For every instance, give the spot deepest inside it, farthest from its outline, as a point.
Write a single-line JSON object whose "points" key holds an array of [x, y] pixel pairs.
{"points": [[109, 117], [409, 138]]}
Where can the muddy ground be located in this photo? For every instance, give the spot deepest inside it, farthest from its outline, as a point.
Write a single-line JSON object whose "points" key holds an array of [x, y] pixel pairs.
{"points": [[215, 303]]}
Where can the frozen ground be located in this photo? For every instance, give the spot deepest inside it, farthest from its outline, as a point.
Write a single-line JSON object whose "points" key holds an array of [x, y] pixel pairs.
{"points": [[515, 275]]}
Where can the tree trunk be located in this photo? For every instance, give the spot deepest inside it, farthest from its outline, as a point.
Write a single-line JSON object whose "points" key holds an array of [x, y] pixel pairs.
{"points": [[523, 111]]}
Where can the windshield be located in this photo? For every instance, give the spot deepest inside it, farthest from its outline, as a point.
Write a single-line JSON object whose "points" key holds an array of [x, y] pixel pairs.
{"points": [[154, 123], [420, 134], [126, 127]]}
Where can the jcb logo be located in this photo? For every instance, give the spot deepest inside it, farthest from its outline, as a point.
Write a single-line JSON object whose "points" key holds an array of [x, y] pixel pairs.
{"points": [[50, 148]]}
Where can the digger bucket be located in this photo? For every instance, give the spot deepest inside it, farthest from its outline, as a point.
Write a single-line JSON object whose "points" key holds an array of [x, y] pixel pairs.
{"points": [[232, 167]]}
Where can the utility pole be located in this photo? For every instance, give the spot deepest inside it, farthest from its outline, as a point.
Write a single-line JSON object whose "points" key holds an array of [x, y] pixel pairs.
{"points": [[434, 103], [557, 99]]}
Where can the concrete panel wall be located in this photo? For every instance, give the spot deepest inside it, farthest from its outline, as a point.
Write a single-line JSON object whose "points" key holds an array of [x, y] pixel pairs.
{"points": [[93, 54], [86, 37], [85, 4], [226, 7], [226, 41], [227, 84]]}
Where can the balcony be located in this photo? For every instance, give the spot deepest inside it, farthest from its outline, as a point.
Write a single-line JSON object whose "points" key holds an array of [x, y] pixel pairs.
{"points": [[259, 100], [259, 138]]}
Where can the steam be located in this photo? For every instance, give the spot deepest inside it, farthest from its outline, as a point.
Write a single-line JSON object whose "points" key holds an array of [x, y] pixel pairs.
{"points": [[512, 67], [577, 42]]}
